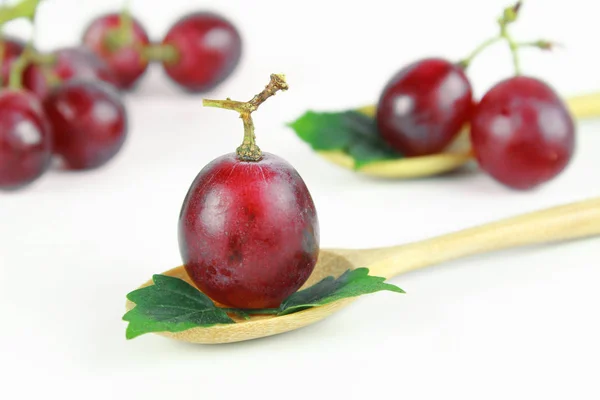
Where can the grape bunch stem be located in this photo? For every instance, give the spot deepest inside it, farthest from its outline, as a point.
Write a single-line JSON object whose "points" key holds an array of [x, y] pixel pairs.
{"points": [[508, 17]]}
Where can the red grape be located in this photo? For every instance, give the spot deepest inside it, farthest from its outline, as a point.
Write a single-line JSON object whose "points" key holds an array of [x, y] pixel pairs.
{"points": [[89, 123], [25, 139], [424, 106], [126, 62], [71, 63], [208, 49], [248, 231], [522, 133]]}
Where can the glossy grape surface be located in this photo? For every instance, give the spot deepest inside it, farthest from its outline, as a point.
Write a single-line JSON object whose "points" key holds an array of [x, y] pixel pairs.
{"points": [[25, 139], [424, 106], [89, 123], [208, 49], [248, 231], [127, 63], [522, 133]]}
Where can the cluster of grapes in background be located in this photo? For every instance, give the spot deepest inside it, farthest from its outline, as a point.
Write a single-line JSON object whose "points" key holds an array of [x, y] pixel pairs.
{"points": [[522, 133], [66, 105]]}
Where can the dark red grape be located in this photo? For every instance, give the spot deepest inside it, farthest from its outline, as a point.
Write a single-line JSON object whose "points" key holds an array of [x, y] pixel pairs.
{"points": [[248, 231], [25, 139], [71, 63], [10, 50], [208, 49], [424, 106], [126, 62], [89, 123], [522, 133]]}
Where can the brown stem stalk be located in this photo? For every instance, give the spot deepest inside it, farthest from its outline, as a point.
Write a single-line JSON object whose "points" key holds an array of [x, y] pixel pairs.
{"points": [[249, 151]]}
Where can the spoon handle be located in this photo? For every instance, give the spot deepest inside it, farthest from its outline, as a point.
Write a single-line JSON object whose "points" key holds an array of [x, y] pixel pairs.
{"points": [[585, 105], [572, 221]]}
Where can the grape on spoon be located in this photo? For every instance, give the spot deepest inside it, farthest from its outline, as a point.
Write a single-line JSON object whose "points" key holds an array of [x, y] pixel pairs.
{"points": [[418, 116], [248, 227], [522, 133], [424, 106], [572, 221], [456, 155]]}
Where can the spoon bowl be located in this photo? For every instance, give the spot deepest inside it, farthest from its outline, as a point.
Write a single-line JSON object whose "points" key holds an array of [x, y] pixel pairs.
{"points": [[571, 221], [330, 264]]}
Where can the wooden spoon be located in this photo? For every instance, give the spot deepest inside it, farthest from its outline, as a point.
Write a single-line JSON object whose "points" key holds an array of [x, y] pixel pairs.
{"points": [[571, 221], [455, 156]]}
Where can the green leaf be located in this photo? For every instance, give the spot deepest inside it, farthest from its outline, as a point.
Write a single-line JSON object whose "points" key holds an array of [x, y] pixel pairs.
{"points": [[171, 305], [351, 132], [351, 283]]}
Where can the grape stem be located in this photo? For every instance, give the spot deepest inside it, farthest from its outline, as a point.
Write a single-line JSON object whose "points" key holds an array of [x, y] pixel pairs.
{"points": [[540, 44], [509, 16], [513, 47], [23, 9], [479, 49], [27, 9], [2, 56], [28, 56], [166, 53], [122, 36], [249, 151], [15, 78]]}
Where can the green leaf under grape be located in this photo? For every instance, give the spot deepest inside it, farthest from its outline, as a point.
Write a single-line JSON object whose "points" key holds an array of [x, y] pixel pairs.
{"points": [[350, 132], [171, 305], [351, 283]]}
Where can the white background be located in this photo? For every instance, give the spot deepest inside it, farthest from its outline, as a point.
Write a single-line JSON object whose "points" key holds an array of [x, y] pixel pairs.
{"points": [[519, 324]]}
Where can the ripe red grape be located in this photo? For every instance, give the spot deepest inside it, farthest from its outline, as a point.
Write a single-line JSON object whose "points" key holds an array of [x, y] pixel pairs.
{"points": [[424, 106], [25, 139], [71, 63], [208, 49], [89, 123], [522, 133], [248, 231], [10, 50], [126, 62]]}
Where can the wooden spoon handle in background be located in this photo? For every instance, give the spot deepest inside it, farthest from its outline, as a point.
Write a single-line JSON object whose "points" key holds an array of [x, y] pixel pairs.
{"points": [[572, 221], [584, 106]]}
